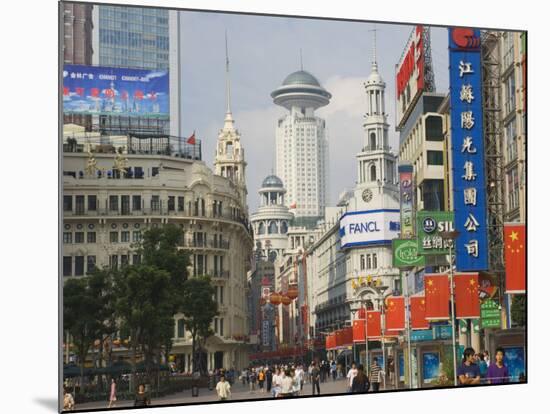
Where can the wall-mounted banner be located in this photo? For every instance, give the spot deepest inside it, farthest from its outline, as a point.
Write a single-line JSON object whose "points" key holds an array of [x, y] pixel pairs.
{"points": [[429, 225], [362, 228], [406, 201], [101, 90], [405, 253], [467, 149]]}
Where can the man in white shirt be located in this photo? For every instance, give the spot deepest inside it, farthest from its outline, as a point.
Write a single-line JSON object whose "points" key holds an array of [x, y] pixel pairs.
{"points": [[277, 382], [286, 385], [300, 377], [352, 373], [223, 389]]}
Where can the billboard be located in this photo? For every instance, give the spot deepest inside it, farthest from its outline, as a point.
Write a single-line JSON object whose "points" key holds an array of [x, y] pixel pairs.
{"points": [[413, 73], [362, 228], [467, 149], [429, 226], [405, 253], [406, 200], [101, 90]]}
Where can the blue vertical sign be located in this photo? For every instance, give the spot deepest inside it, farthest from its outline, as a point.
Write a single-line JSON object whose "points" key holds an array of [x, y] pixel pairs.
{"points": [[467, 147]]}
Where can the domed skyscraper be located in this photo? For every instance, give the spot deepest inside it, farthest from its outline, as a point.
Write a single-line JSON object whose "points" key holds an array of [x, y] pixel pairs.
{"points": [[270, 223], [302, 144]]}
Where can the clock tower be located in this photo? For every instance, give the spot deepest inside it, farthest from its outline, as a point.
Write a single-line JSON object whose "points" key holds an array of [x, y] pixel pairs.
{"points": [[377, 184]]}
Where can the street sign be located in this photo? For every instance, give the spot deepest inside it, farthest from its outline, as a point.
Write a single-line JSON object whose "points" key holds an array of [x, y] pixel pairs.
{"points": [[490, 314], [429, 226], [405, 253]]}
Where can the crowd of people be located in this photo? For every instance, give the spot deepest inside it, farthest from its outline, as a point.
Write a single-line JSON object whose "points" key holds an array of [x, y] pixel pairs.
{"points": [[477, 368]]}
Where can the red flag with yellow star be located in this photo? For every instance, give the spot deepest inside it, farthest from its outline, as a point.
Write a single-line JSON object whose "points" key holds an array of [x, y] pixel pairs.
{"points": [[359, 330], [374, 325], [466, 295], [395, 313], [418, 313], [514, 257], [437, 292]]}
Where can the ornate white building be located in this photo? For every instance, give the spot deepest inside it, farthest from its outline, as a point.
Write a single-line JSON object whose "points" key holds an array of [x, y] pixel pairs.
{"points": [[302, 144]]}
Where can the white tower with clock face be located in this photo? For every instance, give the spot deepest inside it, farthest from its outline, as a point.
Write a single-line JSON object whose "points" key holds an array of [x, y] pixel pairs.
{"points": [[377, 184]]}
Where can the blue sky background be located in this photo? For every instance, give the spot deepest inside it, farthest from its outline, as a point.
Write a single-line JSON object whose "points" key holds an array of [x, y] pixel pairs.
{"points": [[262, 52]]}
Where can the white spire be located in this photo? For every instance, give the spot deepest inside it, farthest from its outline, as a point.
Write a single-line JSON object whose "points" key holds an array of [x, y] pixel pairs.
{"points": [[374, 62], [301, 62], [228, 115]]}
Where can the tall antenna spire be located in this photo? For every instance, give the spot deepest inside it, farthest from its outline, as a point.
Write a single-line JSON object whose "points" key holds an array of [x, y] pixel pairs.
{"points": [[228, 115], [301, 62], [374, 62]]}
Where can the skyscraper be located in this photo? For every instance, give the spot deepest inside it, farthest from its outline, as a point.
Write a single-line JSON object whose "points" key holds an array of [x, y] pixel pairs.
{"points": [[302, 144]]}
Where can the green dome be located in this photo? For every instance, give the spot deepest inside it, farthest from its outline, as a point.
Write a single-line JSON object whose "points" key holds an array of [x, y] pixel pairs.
{"points": [[301, 77]]}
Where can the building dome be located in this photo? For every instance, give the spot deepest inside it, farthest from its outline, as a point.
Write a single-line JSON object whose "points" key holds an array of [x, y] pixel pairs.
{"points": [[301, 77], [272, 181]]}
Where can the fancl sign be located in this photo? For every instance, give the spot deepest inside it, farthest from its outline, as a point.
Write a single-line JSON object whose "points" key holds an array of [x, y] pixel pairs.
{"points": [[361, 228]]}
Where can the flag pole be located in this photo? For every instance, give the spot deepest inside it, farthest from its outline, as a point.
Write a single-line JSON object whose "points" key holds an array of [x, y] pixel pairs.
{"points": [[408, 320]]}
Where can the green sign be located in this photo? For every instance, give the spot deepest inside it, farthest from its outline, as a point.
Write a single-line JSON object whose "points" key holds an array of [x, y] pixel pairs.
{"points": [[405, 253], [429, 225], [490, 315]]}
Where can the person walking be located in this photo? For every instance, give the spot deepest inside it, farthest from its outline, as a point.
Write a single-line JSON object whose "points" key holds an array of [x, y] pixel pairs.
{"points": [[468, 372], [141, 399], [351, 375], [223, 389], [300, 376], [333, 370], [497, 373], [286, 385], [480, 361], [68, 400], [375, 375], [360, 381], [315, 378], [112, 395], [252, 378], [277, 382], [268, 379], [261, 379]]}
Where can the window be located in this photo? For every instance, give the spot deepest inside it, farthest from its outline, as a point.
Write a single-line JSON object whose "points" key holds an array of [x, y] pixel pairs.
{"points": [[136, 236], [136, 203], [92, 203], [91, 264], [136, 259], [369, 263], [513, 189], [171, 203], [181, 329], [113, 203], [509, 94], [362, 262], [125, 202], [261, 228], [124, 260], [221, 295], [284, 227], [181, 203], [373, 172], [221, 326], [216, 325], [113, 261], [113, 236], [67, 237], [155, 203], [67, 203], [67, 266], [434, 128], [507, 50], [125, 236], [372, 141], [91, 237], [79, 201], [79, 237], [272, 228], [511, 142], [79, 265], [374, 261], [435, 157]]}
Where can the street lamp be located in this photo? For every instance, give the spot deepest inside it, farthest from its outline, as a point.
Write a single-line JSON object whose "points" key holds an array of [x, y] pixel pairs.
{"points": [[451, 236]]}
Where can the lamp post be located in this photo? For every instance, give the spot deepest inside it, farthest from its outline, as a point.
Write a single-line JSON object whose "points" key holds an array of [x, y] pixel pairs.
{"points": [[450, 236], [379, 289]]}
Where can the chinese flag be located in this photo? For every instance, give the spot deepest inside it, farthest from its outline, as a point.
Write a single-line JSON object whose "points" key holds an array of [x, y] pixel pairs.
{"points": [[361, 314], [359, 330], [337, 337], [418, 313], [191, 140], [467, 295], [374, 325], [514, 257], [437, 296], [395, 313], [348, 335]]}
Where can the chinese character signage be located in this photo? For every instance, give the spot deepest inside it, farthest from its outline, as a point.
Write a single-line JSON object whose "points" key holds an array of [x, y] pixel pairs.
{"points": [[490, 314], [100, 90], [406, 200], [363, 228], [405, 253], [467, 149], [429, 225]]}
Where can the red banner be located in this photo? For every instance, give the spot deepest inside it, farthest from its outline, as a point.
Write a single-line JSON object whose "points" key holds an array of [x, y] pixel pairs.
{"points": [[418, 313], [359, 330], [466, 295], [347, 336], [514, 257], [395, 313], [339, 338], [361, 314], [374, 326], [437, 296]]}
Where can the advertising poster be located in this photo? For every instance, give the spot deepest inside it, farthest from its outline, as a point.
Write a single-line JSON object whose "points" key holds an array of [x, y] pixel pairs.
{"points": [[429, 226], [363, 228], [101, 90], [406, 200], [514, 359], [430, 366]]}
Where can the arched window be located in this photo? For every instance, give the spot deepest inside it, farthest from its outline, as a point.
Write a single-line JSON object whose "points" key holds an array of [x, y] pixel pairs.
{"points": [[373, 172], [261, 228], [372, 140], [272, 228], [284, 227]]}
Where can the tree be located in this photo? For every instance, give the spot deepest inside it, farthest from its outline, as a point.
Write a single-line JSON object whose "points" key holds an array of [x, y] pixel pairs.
{"points": [[519, 311], [199, 309]]}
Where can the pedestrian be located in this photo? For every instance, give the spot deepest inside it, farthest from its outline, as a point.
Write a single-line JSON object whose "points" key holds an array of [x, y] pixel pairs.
{"points": [[300, 375], [223, 389], [268, 379], [333, 370], [112, 395], [252, 380], [277, 381], [391, 369], [360, 381], [482, 366], [295, 382], [141, 399], [244, 376], [375, 375], [468, 372], [286, 385], [315, 378], [68, 400], [309, 369], [261, 379], [497, 373], [351, 375]]}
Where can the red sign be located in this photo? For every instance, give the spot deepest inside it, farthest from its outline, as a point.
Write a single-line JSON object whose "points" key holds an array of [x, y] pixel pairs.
{"points": [[467, 295], [515, 257], [359, 330], [438, 295], [418, 313], [395, 313], [374, 325]]}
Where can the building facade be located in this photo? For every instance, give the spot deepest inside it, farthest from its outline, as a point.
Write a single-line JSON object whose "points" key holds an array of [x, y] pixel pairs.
{"points": [[302, 144]]}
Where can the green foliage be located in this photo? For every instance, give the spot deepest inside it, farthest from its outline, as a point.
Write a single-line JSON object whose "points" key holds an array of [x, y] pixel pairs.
{"points": [[519, 310]]}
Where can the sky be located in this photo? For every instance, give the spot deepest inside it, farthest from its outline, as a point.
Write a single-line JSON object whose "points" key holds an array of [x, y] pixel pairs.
{"points": [[263, 50]]}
